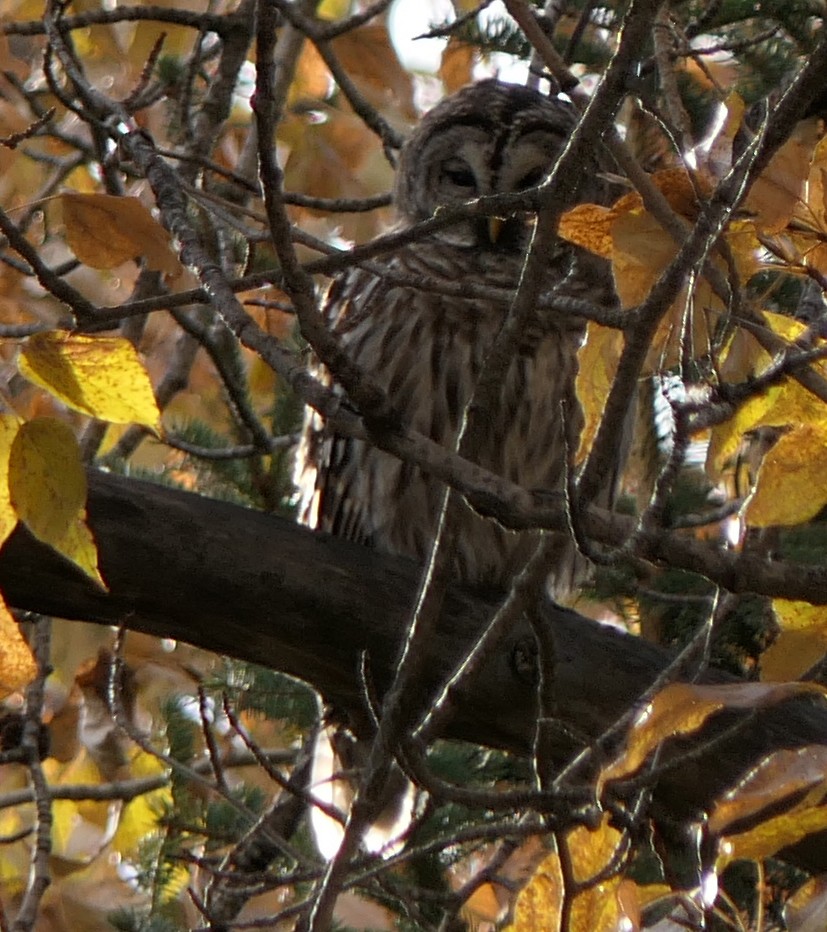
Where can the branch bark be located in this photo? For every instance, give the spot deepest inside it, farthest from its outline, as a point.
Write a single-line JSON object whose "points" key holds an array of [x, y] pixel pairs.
{"points": [[259, 588]]}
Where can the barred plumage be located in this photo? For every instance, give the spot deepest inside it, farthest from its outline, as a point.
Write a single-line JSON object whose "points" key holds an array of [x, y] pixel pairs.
{"points": [[427, 349]]}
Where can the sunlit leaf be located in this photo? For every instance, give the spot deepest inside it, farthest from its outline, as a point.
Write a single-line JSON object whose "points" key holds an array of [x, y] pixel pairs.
{"points": [[99, 376], [17, 665], [333, 9], [104, 231]]}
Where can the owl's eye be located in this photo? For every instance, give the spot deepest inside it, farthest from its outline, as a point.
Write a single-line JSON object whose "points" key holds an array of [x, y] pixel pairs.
{"points": [[531, 179], [459, 175]]}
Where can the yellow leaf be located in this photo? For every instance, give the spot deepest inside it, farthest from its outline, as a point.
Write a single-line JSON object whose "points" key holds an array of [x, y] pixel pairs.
{"points": [[771, 835], [792, 481], [333, 9], [104, 231], [17, 665], [603, 907], [597, 361], [8, 516], [591, 850], [792, 654], [801, 643], [598, 909], [784, 775], [540, 902], [47, 487], [79, 546], [782, 405], [47, 482], [794, 615], [139, 820], [641, 250], [99, 376]]}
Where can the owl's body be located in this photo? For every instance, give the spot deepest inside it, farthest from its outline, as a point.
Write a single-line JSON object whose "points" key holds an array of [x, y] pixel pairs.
{"points": [[427, 349]]}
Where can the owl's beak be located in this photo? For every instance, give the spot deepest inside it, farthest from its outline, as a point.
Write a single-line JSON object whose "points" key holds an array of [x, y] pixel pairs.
{"points": [[495, 226]]}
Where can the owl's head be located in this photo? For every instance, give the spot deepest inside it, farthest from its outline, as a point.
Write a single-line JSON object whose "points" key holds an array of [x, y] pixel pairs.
{"points": [[489, 138]]}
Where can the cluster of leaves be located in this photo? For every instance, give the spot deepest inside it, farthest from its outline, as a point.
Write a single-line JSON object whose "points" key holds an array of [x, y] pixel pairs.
{"points": [[160, 754]]}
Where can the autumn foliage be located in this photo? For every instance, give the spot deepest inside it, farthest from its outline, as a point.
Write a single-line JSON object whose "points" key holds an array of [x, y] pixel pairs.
{"points": [[156, 299]]}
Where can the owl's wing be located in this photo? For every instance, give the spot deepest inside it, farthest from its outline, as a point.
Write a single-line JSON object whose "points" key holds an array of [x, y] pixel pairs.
{"points": [[326, 463]]}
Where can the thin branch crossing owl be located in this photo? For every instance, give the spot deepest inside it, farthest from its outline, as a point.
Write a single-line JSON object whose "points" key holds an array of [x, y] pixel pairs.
{"points": [[427, 349]]}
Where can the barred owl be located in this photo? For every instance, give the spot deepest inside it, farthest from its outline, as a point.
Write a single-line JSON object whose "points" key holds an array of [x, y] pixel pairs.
{"points": [[427, 349]]}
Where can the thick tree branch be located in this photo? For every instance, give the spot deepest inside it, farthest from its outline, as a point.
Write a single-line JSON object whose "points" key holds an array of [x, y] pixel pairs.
{"points": [[256, 587]]}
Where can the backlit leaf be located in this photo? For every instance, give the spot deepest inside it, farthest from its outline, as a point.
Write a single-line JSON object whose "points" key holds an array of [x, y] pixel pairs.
{"points": [[104, 231], [99, 376]]}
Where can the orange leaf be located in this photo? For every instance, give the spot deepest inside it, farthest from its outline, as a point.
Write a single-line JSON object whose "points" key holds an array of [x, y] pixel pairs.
{"points": [[456, 65], [589, 226], [17, 665], [104, 231]]}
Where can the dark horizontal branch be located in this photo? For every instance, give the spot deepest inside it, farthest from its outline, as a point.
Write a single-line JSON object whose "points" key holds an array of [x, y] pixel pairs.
{"points": [[256, 587], [204, 22]]}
